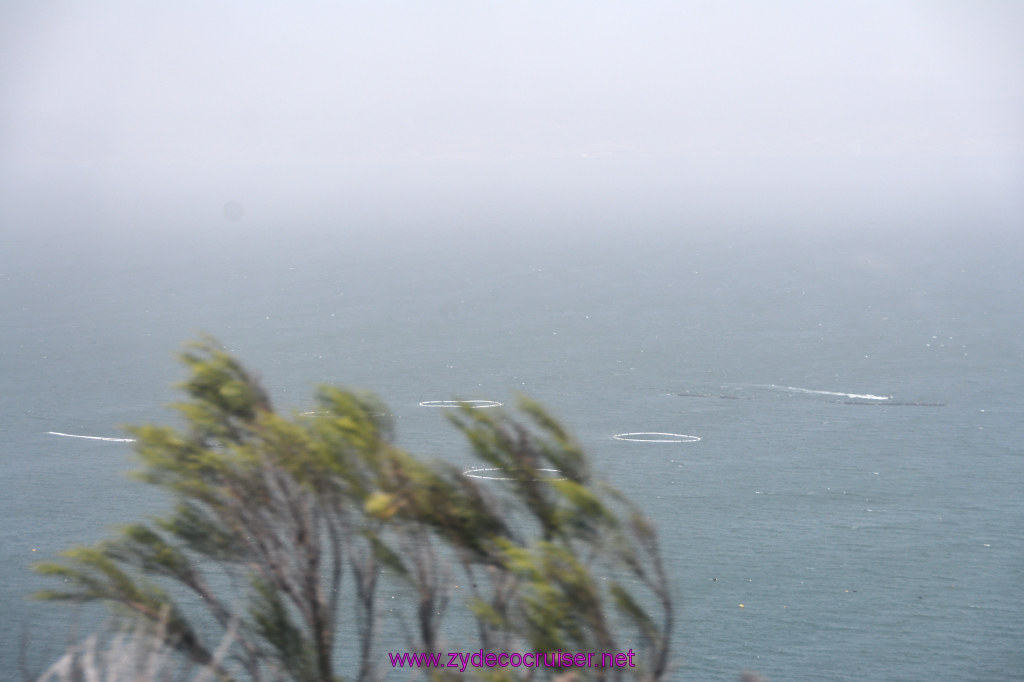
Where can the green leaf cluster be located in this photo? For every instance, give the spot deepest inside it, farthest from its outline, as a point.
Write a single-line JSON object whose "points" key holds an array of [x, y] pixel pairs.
{"points": [[289, 530]]}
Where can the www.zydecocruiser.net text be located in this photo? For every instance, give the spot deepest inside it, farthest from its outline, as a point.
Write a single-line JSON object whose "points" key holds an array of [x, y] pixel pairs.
{"points": [[558, 659]]}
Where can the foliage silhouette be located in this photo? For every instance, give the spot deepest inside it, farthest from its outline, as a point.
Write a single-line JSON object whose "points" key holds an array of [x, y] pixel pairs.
{"points": [[287, 529]]}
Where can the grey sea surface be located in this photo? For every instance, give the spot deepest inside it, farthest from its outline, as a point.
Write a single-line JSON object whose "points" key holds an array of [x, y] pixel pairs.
{"points": [[853, 509]]}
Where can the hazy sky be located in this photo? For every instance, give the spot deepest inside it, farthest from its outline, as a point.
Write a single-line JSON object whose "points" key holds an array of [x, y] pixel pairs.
{"points": [[214, 90]]}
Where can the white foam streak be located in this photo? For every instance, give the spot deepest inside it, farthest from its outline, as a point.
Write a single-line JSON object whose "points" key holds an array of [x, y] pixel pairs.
{"points": [[479, 473], [862, 396], [652, 437], [472, 404], [75, 435]]}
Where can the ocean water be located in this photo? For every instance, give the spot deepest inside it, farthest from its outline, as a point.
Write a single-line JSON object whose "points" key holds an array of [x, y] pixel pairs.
{"points": [[852, 511]]}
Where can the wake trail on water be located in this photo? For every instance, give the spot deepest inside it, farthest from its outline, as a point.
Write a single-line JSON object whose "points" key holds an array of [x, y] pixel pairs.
{"points": [[862, 396], [75, 435], [808, 391]]}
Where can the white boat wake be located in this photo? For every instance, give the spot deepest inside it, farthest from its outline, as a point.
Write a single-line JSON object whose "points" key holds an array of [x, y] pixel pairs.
{"points": [[75, 435], [862, 396]]}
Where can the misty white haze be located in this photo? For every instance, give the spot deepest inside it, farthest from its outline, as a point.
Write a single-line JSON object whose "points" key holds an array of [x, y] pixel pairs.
{"points": [[115, 101]]}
